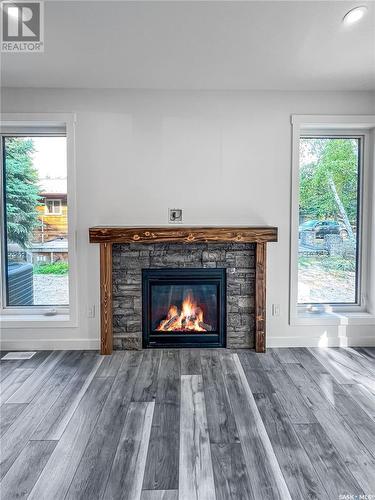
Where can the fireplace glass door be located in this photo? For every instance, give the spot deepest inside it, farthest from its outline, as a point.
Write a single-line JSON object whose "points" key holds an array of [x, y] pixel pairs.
{"points": [[184, 307]]}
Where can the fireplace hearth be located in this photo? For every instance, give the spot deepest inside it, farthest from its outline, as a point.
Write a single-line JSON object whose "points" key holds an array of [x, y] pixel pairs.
{"points": [[184, 307]]}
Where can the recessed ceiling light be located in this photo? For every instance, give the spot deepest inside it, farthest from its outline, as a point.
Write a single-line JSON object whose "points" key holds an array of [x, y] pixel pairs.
{"points": [[354, 15]]}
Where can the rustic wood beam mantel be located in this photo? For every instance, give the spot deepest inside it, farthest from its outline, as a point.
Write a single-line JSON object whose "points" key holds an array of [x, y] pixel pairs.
{"points": [[182, 234], [107, 235]]}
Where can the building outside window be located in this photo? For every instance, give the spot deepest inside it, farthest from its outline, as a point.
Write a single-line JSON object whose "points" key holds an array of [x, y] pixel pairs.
{"points": [[53, 207]]}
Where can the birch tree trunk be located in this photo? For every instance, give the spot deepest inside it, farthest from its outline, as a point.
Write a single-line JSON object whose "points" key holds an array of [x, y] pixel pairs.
{"points": [[341, 207]]}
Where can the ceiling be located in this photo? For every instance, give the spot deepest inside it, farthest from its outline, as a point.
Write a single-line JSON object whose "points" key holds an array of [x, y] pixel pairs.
{"points": [[296, 45]]}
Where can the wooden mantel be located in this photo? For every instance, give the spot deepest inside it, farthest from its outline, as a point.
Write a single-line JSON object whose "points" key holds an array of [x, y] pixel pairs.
{"points": [[107, 235]]}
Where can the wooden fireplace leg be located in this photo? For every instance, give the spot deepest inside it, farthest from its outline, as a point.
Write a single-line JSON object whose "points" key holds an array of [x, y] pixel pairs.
{"points": [[260, 297], [106, 298]]}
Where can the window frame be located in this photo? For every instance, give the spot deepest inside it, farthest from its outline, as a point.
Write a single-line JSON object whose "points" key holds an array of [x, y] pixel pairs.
{"points": [[349, 134], [44, 124], [332, 126], [46, 212]]}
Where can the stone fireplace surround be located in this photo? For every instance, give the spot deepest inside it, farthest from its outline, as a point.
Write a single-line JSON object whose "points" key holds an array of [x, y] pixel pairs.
{"points": [[185, 237], [129, 259]]}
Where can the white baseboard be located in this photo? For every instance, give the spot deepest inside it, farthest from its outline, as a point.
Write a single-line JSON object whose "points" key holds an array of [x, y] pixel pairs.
{"points": [[94, 344], [358, 341], [49, 344]]}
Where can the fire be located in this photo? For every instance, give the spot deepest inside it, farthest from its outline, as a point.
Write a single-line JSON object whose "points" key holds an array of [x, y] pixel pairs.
{"points": [[190, 318]]}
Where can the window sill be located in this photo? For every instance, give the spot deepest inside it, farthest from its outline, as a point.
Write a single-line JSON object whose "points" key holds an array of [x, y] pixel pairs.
{"points": [[333, 319], [36, 321]]}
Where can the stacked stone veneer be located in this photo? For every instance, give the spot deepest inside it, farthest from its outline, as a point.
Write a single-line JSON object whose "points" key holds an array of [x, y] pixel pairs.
{"points": [[130, 259]]}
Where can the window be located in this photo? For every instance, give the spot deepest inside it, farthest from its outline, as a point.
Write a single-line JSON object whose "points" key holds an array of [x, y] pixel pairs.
{"points": [[329, 219], [53, 207], [35, 245]]}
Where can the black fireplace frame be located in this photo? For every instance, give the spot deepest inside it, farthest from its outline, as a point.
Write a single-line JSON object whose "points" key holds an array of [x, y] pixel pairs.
{"points": [[216, 276]]}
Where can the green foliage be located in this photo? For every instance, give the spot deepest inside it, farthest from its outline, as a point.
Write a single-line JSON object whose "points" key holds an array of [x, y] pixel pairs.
{"points": [[22, 191], [304, 261], [339, 264], [333, 265], [52, 268], [332, 158]]}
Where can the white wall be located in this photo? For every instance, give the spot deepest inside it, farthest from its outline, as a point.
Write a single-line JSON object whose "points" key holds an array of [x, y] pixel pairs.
{"points": [[224, 157]]}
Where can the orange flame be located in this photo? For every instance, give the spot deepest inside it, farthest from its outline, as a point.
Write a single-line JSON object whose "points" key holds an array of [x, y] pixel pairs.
{"points": [[190, 318]]}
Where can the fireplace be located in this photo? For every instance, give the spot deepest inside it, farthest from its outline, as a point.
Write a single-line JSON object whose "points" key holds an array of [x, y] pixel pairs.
{"points": [[125, 251], [184, 307]]}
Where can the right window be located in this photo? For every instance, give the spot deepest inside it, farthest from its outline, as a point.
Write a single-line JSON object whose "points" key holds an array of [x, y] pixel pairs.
{"points": [[329, 219]]}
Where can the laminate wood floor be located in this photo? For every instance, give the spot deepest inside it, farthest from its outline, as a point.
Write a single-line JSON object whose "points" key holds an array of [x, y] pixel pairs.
{"points": [[189, 424]]}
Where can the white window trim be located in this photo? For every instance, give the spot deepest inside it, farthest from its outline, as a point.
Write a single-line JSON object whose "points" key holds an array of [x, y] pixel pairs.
{"points": [[52, 213], [360, 125], [40, 316]]}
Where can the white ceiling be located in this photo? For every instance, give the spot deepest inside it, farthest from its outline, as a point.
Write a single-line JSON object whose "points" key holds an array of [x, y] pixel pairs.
{"points": [[296, 45]]}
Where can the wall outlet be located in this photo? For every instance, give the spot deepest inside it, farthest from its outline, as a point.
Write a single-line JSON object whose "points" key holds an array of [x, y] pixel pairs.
{"points": [[275, 309], [91, 311], [175, 215]]}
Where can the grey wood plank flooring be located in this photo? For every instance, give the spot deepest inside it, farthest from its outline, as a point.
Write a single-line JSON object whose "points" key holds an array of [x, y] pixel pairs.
{"points": [[327, 461], [285, 355], [13, 382], [309, 361], [110, 365], [221, 424], [255, 374], [59, 415], [173, 424], [126, 478], [251, 358], [8, 414], [268, 483], [196, 480], [355, 359], [161, 472], [363, 397], [307, 387], [17, 372], [21, 430], [7, 367], [359, 421], [291, 398], [35, 360], [30, 388], [159, 495], [92, 474], [162, 464], [369, 352], [147, 381], [298, 471], [168, 378], [323, 391], [190, 362], [21, 478], [231, 476], [344, 371], [69, 450], [269, 361], [357, 457]]}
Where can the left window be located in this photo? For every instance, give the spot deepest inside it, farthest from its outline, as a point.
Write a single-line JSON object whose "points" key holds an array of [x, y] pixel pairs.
{"points": [[35, 220]]}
